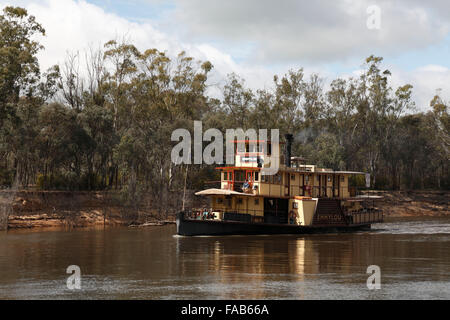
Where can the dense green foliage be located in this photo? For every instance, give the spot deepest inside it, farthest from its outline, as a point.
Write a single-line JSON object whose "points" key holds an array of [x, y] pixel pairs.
{"points": [[110, 126]]}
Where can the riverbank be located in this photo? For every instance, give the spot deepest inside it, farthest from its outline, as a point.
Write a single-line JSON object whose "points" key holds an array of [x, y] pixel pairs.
{"points": [[43, 209], [415, 203], [48, 209]]}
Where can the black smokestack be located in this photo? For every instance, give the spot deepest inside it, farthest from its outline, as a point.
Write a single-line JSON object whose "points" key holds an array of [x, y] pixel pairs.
{"points": [[287, 152]]}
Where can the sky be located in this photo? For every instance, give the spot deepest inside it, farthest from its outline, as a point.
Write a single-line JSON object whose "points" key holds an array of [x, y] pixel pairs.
{"points": [[257, 39]]}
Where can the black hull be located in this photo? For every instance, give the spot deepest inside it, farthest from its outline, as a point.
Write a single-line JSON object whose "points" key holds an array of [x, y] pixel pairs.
{"points": [[187, 227]]}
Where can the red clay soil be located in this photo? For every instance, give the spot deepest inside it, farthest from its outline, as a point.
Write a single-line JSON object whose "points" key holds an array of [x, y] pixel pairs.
{"points": [[415, 203], [42, 209]]}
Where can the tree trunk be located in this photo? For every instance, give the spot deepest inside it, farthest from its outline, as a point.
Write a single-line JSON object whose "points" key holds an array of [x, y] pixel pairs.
{"points": [[184, 188]]}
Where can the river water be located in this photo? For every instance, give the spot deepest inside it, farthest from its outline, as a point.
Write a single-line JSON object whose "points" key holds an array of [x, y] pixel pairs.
{"points": [[153, 263]]}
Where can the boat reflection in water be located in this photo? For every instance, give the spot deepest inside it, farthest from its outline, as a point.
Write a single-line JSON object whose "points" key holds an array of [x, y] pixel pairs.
{"points": [[249, 264]]}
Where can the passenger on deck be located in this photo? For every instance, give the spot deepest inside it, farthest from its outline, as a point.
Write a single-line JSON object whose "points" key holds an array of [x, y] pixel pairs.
{"points": [[245, 186], [292, 217], [205, 214]]}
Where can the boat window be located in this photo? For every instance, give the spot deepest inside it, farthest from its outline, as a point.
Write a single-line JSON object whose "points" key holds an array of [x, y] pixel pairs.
{"points": [[239, 176], [342, 178], [256, 176], [293, 177], [240, 147]]}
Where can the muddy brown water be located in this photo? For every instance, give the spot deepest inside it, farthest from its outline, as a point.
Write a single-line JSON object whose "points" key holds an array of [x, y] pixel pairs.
{"points": [[154, 263]]}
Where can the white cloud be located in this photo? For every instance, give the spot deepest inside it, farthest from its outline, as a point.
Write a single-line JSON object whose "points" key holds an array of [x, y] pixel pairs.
{"points": [[426, 80], [73, 26], [318, 31], [268, 32]]}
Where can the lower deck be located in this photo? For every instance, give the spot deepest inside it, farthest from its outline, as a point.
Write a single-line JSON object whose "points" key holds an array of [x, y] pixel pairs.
{"points": [[191, 227], [302, 211], [279, 216]]}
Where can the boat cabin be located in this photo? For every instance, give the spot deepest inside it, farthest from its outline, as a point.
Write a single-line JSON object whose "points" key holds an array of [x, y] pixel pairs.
{"points": [[290, 196]]}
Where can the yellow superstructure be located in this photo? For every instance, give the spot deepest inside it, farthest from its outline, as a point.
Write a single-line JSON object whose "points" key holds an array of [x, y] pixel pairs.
{"points": [[289, 196]]}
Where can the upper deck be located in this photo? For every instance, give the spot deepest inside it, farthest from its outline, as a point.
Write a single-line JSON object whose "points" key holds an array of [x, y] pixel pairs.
{"points": [[294, 177], [255, 153]]}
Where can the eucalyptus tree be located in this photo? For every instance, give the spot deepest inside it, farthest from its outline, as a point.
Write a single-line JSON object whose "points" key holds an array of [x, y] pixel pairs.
{"points": [[237, 101], [289, 91], [391, 143], [153, 97], [19, 66], [440, 125], [342, 101], [264, 116], [314, 101], [61, 143], [97, 122], [22, 92]]}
